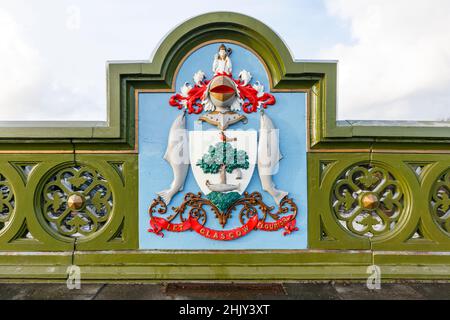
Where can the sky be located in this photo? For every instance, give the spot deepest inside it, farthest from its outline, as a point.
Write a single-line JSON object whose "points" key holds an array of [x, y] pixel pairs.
{"points": [[394, 56]]}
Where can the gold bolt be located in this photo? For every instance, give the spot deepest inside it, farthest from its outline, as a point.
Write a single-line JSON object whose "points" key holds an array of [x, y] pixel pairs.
{"points": [[369, 201], [75, 202]]}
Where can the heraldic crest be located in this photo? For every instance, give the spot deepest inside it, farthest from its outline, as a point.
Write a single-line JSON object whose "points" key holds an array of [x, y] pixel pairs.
{"points": [[223, 160]]}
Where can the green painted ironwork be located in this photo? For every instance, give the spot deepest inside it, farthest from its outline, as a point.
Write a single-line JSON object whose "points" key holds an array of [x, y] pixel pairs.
{"points": [[408, 201], [440, 202], [41, 219], [88, 185], [362, 181], [6, 201]]}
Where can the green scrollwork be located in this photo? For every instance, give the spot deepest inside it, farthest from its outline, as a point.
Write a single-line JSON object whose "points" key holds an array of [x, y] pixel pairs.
{"points": [[440, 201], [91, 208], [6, 201], [367, 200]]}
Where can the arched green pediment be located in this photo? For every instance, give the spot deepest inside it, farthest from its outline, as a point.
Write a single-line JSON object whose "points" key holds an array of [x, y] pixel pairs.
{"points": [[230, 26], [318, 79], [218, 26]]}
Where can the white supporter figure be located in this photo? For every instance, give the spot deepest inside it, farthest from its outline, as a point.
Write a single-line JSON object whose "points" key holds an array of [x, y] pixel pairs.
{"points": [[222, 62], [177, 155], [269, 157]]}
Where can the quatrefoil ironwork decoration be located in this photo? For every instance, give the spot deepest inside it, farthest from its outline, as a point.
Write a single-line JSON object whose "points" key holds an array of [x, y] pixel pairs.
{"points": [[6, 201], [367, 200], [440, 202], [77, 201]]}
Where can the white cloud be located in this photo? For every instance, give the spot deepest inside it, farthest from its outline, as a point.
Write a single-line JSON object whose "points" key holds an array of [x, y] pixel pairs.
{"points": [[29, 90], [398, 64], [53, 54], [19, 65]]}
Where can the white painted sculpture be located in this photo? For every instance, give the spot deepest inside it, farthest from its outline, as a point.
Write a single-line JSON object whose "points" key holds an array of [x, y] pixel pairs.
{"points": [[268, 157], [222, 62], [177, 155]]}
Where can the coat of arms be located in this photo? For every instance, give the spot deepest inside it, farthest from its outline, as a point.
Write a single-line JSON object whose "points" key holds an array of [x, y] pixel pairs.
{"points": [[223, 160]]}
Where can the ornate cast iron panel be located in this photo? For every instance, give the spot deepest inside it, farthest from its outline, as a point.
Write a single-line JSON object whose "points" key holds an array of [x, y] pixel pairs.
{"points": [[393, 202], [50, 203], [440, 202], [77, 201], [367, 200], [6, 201]]}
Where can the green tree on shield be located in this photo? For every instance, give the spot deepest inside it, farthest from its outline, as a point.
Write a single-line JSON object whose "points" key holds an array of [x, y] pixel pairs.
{"points": [[223, 158]]}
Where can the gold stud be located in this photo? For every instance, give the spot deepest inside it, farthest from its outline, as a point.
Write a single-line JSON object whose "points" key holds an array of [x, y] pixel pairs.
{"points": [[75, 202], [369, 201]]}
